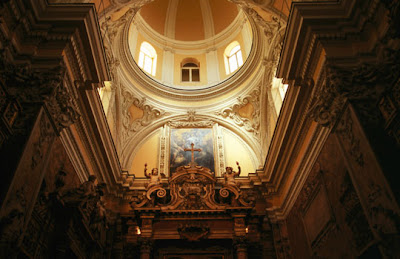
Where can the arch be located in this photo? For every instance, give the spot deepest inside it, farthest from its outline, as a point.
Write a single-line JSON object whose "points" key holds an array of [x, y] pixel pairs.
{"points": [[132, 144], [148, 58]]}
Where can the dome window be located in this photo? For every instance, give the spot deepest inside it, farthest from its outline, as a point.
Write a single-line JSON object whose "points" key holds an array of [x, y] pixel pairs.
{"points": [[148, 58], [190, 70], [233, 57]]}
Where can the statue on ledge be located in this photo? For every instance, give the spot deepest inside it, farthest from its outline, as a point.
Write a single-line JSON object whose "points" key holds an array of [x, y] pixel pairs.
{"points": [[81, 195], [230, 175], [155, 177]]}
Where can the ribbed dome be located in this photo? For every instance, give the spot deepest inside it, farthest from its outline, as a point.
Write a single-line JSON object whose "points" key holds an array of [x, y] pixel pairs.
{"points": [[189, 20]]}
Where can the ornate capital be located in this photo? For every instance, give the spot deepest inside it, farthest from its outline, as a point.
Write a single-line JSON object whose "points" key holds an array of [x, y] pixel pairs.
{"points": [[328, 102], [62, 107]]}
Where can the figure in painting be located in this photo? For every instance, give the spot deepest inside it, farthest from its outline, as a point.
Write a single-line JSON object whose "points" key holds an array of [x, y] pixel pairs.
{"points": [[230, 175], [155, 177]]}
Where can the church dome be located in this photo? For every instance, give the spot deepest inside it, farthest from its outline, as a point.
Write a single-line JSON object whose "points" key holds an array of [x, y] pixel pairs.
{"points": [[190, 45], [189, 20]]}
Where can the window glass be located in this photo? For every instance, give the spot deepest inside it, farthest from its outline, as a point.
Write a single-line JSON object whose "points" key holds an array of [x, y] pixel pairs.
{"points": [[233, 57], [185, 75], [148, 58], [190, 70], [195, 75]]}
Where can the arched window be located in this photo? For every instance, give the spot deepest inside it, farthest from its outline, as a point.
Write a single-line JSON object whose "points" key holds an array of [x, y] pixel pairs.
{"points": [[148, 58], [190, 70], [233, 57]]}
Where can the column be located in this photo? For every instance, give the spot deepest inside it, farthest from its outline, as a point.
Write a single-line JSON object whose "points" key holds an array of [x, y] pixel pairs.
{"points": [[240, 241], [168, 67], [212, 66], [146, 247]]}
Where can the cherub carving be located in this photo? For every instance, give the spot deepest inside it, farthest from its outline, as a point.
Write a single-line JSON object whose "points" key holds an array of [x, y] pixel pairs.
{"points": [[230, 175], [155, 177]]}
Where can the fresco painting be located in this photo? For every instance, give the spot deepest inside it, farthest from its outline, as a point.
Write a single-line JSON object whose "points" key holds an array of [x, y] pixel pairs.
{"points": [[182, 139]]}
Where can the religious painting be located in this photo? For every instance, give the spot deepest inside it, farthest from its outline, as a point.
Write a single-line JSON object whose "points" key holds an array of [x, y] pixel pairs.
{"points": [[181, 149]]}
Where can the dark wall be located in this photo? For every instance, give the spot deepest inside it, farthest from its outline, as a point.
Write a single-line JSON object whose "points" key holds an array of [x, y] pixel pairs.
{"points": [[327, 219]]}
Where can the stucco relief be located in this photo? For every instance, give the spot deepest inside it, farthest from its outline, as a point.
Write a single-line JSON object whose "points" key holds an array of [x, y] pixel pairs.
{"points": [[191, 120], [328, 102], [136, 114], [245, 113]]}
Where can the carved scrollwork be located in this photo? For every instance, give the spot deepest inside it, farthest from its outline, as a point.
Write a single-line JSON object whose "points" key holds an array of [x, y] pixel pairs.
{"points": [[328, 102], [240, 115], [191, 121], [149, 113], [62, 107], [269, 28], [158, 190], [193, 232], [192, 188], [224, 192]]}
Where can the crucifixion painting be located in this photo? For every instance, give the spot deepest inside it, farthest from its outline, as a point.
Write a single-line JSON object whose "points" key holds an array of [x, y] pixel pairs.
{"points": [[191, 146]]}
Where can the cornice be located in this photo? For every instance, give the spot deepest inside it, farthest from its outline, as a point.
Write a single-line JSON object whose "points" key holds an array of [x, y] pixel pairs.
{"points": [[327, 24]]}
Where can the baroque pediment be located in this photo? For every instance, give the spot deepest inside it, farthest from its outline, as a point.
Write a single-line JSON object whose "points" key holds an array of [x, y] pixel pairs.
{"points": [[192, 188]]}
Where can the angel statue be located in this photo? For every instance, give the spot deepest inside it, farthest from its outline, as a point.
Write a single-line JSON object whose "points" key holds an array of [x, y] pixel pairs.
{"points": [[230, 175]]}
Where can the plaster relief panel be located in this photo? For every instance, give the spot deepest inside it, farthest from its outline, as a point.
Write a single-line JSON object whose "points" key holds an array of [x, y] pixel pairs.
{"points": [[137, 114], [245, 113]]}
